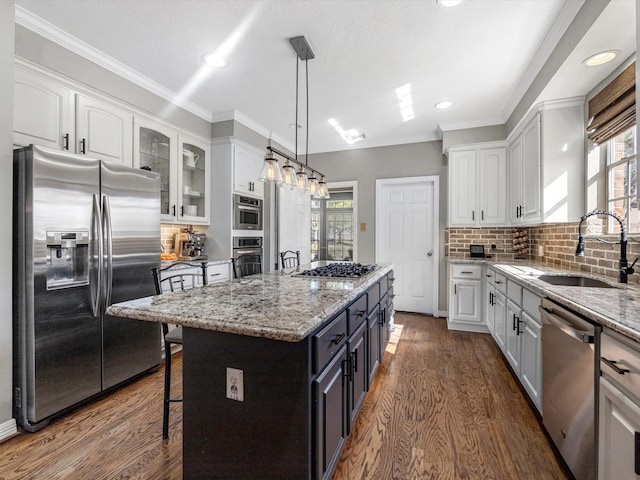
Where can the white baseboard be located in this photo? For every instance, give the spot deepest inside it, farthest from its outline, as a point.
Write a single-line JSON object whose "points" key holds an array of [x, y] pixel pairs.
{"points": [[467, 327], [8, 429]]}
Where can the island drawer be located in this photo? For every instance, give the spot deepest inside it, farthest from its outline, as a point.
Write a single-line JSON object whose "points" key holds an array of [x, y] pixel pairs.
{"points": [[467, 271], [328, 341], [357, 313], [373, 295]]}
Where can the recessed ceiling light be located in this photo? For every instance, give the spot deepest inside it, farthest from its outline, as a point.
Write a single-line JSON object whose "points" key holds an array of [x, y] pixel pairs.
{"points": [[601, 58], [449, 3], [443, 105], [215, 60]]}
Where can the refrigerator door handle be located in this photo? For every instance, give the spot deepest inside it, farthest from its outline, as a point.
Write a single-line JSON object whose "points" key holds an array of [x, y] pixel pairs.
{"points": [[106, 208], [97, 217]]}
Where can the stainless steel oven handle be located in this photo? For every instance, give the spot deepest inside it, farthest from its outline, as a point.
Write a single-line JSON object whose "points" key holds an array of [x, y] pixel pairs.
{"points": [[250, 209], [584, 336], [252, 251]]}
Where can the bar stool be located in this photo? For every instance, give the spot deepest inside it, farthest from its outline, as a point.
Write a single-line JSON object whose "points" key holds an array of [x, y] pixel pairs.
{"points": [[171, 283], [290, 259]]}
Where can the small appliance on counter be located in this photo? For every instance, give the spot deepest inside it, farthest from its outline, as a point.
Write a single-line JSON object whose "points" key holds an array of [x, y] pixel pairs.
{"points": [[190, 245], [476, 251]]}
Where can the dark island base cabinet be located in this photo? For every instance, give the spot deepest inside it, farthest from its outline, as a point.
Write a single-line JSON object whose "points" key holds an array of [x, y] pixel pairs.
{"points": [[300, 399]]}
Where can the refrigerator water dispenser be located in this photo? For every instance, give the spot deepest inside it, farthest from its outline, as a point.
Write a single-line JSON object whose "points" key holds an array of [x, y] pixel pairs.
{"points": [[67, 259]]}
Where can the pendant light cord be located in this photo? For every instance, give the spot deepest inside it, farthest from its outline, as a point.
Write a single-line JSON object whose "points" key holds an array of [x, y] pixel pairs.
{"points": [[296, 125], [306, 155]]}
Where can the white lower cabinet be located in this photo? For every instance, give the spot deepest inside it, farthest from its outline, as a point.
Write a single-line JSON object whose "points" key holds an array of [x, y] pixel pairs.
{"points": [[513, 341], [619, 410], [465, 298], [531, 360]]}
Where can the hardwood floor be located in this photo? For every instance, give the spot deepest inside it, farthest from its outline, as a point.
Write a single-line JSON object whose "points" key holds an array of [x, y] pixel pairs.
{"points": [[443, 406]]}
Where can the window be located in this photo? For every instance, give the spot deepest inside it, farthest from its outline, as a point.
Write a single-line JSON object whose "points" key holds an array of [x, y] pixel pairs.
{"points": [[332, 235], [622, 181]]}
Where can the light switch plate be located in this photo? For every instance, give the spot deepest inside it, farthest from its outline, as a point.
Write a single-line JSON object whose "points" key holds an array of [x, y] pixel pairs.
{"points": [[235, 384]]}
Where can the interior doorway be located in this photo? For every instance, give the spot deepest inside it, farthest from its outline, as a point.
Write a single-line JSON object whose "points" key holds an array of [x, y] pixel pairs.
{"points": [[333, 224], [407, 216]]}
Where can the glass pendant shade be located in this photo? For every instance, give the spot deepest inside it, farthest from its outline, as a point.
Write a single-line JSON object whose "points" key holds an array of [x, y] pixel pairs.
{"points": [[323, 191], [271, 170], [289, 179], [303, 181], [313, 184]]}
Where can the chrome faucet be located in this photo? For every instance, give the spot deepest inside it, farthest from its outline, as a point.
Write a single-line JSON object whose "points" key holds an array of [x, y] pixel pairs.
{"points": [[623, 268]]}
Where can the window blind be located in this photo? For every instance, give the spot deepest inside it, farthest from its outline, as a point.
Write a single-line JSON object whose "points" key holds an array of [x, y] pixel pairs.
{"points": [[613, 109]]}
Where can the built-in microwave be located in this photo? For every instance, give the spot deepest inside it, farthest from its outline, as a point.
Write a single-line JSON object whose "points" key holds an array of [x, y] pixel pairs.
{"points": [[247, 213]]}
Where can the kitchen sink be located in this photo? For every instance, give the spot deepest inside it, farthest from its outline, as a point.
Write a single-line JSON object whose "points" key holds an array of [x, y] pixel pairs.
{"points": [[574, 281]]}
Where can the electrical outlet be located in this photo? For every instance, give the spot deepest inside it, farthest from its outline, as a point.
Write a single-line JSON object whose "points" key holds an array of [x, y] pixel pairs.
{"points": [[235, 384]]}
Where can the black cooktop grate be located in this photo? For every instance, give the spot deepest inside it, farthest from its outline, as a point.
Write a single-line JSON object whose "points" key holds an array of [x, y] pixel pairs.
{"points": [[339, 270]]}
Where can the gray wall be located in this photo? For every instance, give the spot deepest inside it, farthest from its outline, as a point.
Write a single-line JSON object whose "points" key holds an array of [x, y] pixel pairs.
{"points": [[366, 165], [493, 133], [6, 198]]}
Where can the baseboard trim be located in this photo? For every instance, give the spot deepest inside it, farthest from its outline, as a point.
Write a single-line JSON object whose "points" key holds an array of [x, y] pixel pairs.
{"points": [[467, 327], [8, 429], [442, 313]]}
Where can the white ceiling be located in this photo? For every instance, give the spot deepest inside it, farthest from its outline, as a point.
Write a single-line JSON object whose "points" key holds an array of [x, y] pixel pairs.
{"points": [[482, 55]]}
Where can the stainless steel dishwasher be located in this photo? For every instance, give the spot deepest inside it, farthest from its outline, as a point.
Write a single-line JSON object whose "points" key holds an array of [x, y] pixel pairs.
{"points": [[570, 370]]}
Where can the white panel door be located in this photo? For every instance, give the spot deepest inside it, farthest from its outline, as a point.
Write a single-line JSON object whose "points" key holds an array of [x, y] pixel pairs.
{"points": [[407, 236], [294, 223]]}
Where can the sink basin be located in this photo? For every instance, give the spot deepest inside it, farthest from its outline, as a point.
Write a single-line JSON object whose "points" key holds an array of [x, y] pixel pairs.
{"points": [[574, 281]]}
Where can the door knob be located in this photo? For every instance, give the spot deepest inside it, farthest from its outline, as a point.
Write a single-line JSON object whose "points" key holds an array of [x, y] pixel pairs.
{"points": [[429, 254]]}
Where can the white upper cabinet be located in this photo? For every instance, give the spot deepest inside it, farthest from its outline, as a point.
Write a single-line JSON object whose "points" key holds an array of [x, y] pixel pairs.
{"points": [[194, 173], [546, 165], [43, 112], [51, 114], [477, 186], [525, 175], [247, 166], [183, 163], [103, 130]]}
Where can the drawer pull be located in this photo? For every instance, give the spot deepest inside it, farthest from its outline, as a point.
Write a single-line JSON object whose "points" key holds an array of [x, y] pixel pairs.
{"points": [[360, 313], [498, 281], [466, 272], [338, 338], [614, 365]]}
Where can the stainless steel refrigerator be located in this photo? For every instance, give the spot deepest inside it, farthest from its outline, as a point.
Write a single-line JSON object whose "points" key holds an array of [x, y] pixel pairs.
{"points": [[86, 234]]}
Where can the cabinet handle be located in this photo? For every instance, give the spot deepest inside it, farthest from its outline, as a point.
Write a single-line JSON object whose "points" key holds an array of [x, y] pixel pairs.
{"points": [[491, 298], [182, 210], [66, 142], [482, 213], [354, 361], [473, 214], [361, 313], [514, 321], [346, 368], [518, 322], [466, 273], [382, 315], [338, 338], [174, 210], [498, 282], [455, 289], [614, 365], [82, 146], [636, 450]]}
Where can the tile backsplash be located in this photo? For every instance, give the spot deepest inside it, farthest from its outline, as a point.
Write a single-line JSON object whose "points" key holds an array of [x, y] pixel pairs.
{"points": [[168, 232], [558, 242]]}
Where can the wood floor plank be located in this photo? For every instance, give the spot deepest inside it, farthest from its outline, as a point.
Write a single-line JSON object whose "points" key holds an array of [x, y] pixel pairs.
{"points": [[442, 406]]}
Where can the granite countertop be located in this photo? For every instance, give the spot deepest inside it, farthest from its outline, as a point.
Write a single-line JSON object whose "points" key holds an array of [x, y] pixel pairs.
{"points": [[271, 305], [616, 308]]}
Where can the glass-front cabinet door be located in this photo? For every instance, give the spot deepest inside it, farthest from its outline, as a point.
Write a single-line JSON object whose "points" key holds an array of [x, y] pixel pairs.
{"points": [[193, 177], [155, 149]]}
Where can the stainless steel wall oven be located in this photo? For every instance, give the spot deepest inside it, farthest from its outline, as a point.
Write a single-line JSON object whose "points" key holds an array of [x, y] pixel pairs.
{"points": [[247, 213]]}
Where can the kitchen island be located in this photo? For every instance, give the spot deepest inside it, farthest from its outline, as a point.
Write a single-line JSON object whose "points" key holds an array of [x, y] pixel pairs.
{"points": [[275, 368]]}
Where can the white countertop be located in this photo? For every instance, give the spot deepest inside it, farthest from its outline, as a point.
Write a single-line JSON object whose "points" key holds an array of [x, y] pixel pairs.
{"points": [[272, 305], [616, 308]]}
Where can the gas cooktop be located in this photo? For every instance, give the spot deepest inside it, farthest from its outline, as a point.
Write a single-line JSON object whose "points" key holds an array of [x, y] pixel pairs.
{"points": [[339, 270]]}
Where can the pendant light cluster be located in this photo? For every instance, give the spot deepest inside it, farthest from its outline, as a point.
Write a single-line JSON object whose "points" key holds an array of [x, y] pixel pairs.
{"points": [[290, 177]]}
